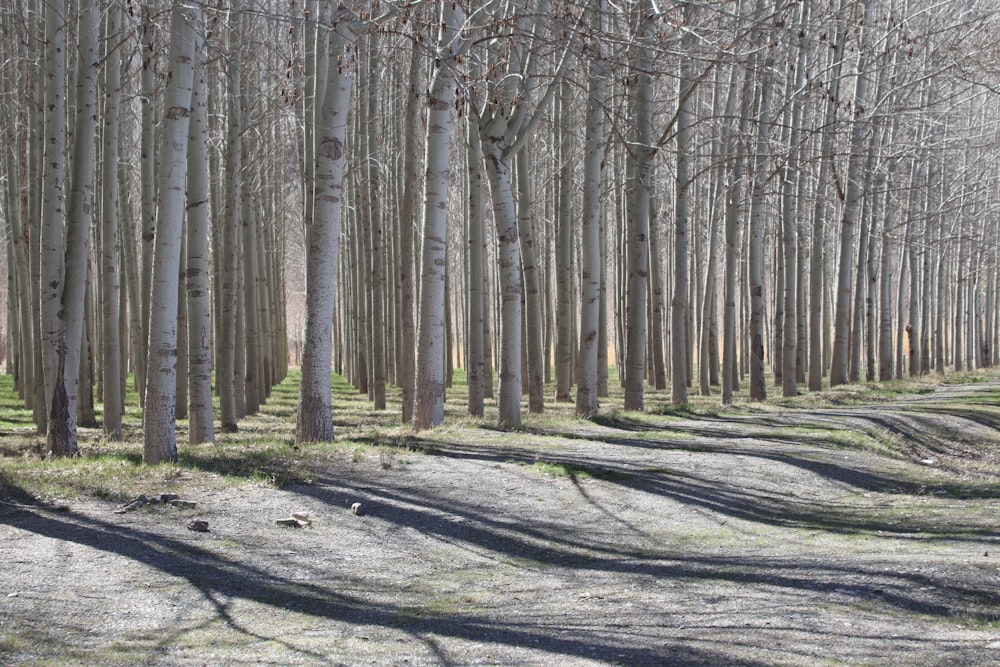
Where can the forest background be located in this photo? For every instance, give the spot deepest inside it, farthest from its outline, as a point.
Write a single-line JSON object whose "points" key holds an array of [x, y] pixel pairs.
{"points": [[714, 195]]}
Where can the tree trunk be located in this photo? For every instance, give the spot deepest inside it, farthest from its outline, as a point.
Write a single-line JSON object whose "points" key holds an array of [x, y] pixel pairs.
{"points": [[110, 259], [755, 266], [564, 248], [199, 264], [591, 271], [376, 237], [532, 289], [159, 437], [509, 266], [228, 285], [53, 193], [315, 421], [430, 381], [475, 359], [790, 189], [62, 435], [839, 372], [679, 333], [816, 266], [407, 222], [249, 232], [637, 223], [734, 199]]}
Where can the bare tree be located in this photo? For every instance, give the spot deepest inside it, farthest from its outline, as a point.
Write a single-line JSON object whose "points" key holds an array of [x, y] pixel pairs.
{"points": [[315, 421], [430, 383], [159, 435]]}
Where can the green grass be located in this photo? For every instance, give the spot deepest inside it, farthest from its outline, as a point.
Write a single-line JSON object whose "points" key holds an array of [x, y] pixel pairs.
{"points": [[263, 452]]}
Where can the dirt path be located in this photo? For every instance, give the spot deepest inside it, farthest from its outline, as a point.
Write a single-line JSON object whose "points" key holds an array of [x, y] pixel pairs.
{"points": [[862, 535]]}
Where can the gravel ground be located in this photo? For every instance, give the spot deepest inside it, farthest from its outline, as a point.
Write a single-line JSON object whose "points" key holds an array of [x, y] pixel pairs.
{"points": [[754, 539]]}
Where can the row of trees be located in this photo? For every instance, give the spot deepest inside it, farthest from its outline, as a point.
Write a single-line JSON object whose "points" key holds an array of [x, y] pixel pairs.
{"points": [[810, 184]]}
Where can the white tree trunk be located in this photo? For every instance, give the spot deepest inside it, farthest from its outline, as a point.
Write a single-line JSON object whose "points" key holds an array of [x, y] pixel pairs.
{"points": [[755, 250], [637, 223], [110, 262], [377, 235], [509, 270], [147, 175], [679, 333], [839, 372], [430, 381], [817, 275], [734, 199], [564, 243], [407, 221], [315, 421], [590, 232], [475, 356], [159, 441], [228, 276], [62, 436], [53, 194], [199, 264], [532, 291], [789, 221]]}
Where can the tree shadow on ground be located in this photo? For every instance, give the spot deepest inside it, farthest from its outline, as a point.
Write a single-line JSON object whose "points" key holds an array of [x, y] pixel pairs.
{"points": [[911, 436], [219, 580], [567, 546], [737, 499]]}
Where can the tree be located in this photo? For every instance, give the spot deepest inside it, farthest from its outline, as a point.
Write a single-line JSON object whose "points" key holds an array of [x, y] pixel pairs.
{"points": [[816, 262], [839, 363], [159, 434], [761, 174], [476, 354], [228, 242], [62, 436], [429, 404], [640, 157], [110, 262], [679, 302], [590, 234], [407, 222], [199, 262], [315, 421], [53, 193]]}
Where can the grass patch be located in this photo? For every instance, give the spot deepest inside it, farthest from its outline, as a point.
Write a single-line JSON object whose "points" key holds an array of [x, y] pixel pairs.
{"points": [[570, 470], [263, 452], [560, 470]]}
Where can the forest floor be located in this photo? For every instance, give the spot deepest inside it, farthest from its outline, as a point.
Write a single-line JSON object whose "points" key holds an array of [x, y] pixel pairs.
{"points": [[862, 531]]}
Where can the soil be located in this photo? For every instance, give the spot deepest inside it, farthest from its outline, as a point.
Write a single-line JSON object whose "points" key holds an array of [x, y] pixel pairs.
{"points": [[864, 534]]}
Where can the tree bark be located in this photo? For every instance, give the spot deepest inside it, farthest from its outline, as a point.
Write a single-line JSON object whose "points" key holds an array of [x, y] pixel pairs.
{"points": [[199, 263], [430, 381], [53, 192], [62, 435], [228, 277], [159, 414], [679, 333], [755, 266], [637, 223], [407, 221], [532, 289], [591, 270], [315, 421], [475, 356], [839, 372], [110, 259]]}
